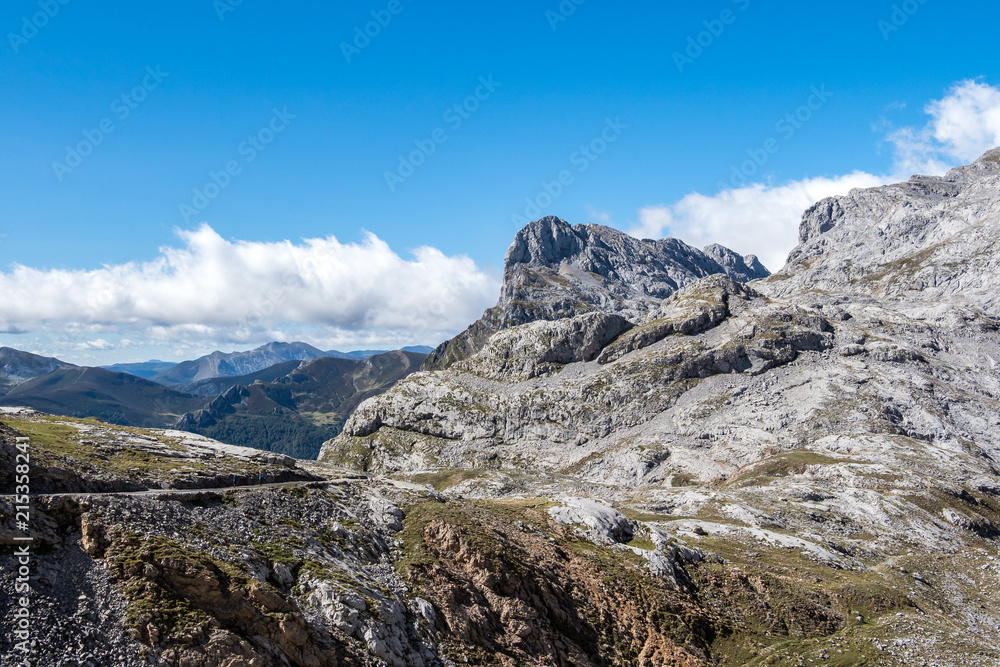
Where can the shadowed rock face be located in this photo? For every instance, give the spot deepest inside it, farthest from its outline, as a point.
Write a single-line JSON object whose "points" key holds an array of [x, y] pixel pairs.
{"points": [[553, 270]]}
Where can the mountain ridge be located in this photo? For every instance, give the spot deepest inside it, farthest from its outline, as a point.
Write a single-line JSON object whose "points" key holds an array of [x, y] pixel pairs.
{"points": [[553, 270], [17, 366], [295, 413], [235, 364], [798, 469], [643, 406], [117, 398]]}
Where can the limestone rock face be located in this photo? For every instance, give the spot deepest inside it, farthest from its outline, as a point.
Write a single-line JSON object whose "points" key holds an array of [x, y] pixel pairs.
{"points": [[543, 347], [882, 326], [553, 270], [600, 520], [927, 243], [693, 309]]}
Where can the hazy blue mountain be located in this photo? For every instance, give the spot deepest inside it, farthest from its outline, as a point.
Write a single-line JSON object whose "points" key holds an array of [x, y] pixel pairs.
{"points": [[17, 367], [143, 369], [419, 349], [367, 354], [357, 355], [235, 364]]}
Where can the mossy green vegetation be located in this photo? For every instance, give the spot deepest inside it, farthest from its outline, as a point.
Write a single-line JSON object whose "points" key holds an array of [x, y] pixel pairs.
{"points": [[642, 543], [785, 464], [442, 480], [56, 441], [754, 605], [779, 607], [152, 595], [682, 479]]}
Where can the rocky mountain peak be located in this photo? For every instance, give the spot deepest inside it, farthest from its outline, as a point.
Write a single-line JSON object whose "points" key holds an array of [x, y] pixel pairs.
{"points": [[554, 270], [545, 242], [930, 239], [553, 243], [741, 267]]}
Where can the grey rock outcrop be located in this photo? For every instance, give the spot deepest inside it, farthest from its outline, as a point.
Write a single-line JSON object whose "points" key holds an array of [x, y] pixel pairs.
{"points": [[543, 347], [927, 243], [600, 521], [879, 340], [553, 270]]}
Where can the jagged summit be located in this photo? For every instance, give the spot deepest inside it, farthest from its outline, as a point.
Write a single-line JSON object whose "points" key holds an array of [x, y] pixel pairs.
{"points": [[931, 240], [554, 270], [553, 242]]}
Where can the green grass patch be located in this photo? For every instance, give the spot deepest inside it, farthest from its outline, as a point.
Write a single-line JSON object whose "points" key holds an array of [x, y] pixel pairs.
{"points": [[442, 480], [785, 464], [683, 479], [642, 543]]}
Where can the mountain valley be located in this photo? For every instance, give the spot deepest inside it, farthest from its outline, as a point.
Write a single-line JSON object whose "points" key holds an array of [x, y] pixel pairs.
{"points": [[291, 407]]}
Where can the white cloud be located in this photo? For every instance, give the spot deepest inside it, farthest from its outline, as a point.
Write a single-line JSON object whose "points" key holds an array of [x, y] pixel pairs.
{"points": [[758, 219], [212, 289], [764, 219], [99, 344], [963, 126]]}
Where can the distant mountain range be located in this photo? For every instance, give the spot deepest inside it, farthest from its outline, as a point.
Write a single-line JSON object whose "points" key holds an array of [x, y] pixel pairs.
{"points": [[292, 405], [234, 364], [296, 412], [146, 369], [238, 364]]}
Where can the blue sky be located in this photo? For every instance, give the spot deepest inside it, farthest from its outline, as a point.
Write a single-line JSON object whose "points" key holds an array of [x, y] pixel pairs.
{"points": [[232, 77]]}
